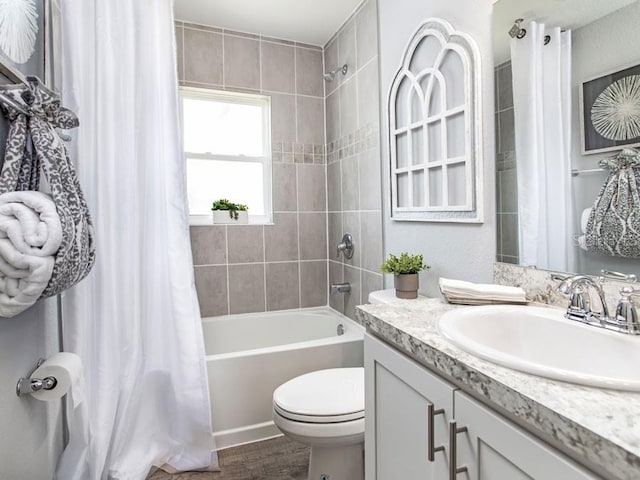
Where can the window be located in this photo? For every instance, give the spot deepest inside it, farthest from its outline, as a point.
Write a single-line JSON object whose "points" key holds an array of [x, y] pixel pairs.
{"points": [[228, 151]]}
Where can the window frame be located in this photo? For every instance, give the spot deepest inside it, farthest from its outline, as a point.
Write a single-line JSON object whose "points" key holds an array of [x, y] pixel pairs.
{"points": [[263, 101]]}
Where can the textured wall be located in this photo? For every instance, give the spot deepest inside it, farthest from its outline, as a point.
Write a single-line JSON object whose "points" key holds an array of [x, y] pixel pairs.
{"points": [[255, 268], [454, 250], [353, 156]]}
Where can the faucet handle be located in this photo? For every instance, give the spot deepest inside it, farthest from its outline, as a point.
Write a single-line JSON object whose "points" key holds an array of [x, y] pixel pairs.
{"points": [[626, 313]]}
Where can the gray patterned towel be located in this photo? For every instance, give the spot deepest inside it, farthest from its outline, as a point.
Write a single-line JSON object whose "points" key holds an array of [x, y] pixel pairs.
{"points": [[76, 255], [614, 224]]}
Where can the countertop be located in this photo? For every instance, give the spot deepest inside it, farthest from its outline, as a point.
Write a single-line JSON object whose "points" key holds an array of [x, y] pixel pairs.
{"points": [[599, 426]]}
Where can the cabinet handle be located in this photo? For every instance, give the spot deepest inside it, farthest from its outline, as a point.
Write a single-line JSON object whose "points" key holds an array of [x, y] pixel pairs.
{"points": [[432, 449], [454, 430]]}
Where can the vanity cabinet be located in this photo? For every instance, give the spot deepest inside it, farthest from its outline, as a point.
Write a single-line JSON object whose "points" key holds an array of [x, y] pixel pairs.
{"points": [[413, 415]]}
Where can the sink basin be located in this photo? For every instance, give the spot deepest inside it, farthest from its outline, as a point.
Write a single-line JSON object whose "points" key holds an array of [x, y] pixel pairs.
{"points": [[541, 341]]}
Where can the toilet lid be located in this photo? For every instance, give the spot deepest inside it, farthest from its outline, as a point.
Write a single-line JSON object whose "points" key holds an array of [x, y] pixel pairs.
{"points": [[336, 394]]}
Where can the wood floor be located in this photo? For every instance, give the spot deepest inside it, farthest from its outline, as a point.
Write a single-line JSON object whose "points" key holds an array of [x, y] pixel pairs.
{"points": [[275, 459]]}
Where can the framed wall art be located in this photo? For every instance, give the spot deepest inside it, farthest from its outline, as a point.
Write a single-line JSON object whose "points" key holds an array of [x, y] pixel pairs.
{"points": [[22, 38], [610, 111]]}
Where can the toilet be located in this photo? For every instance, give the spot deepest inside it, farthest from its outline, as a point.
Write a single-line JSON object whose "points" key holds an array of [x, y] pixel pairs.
{"points": [[325, 410]]}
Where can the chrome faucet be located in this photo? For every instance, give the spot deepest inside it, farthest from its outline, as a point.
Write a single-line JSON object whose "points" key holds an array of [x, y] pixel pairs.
{"points": [[577, 287], [340, 287]]}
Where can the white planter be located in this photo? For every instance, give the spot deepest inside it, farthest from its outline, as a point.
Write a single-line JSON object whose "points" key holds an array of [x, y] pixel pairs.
{"points": [[223, 217]]}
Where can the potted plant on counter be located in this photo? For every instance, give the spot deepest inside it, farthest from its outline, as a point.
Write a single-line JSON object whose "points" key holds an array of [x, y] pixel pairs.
{"points": [[225, 211], [405, 270]]}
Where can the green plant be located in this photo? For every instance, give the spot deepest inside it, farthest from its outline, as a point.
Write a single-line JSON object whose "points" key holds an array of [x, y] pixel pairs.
{"points": [[234, 208], [404, 264]]}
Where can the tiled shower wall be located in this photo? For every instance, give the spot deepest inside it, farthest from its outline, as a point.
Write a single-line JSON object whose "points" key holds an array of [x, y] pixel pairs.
{"points": [[353, 157], [254, 268], [506, 181]]}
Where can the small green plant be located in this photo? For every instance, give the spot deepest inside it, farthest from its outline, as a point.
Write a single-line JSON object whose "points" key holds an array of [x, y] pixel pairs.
{"points": [[405, 264], [234, 208]]}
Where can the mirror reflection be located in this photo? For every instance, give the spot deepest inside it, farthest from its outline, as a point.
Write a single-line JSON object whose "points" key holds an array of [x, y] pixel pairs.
{"points": [[550, 152]]}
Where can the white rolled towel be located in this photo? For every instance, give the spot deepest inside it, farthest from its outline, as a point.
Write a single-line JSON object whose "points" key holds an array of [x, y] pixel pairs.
{"points": [[30, 221], [23, 278], [461, 289], [584, 219]]}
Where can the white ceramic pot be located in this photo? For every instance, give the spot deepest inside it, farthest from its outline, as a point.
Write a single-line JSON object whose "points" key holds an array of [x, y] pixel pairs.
{"points": [[223, 217]]}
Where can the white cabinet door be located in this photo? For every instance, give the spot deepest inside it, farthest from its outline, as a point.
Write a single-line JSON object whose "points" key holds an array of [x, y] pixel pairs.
{"points": [[493, 448], [399, 393]]}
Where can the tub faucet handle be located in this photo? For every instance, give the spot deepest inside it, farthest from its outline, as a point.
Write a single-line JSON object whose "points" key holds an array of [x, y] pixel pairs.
{"points": [[346, 246]]}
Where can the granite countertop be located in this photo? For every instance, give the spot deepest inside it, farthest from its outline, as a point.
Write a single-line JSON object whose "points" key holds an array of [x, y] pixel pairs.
{"points": [[602, 426]]}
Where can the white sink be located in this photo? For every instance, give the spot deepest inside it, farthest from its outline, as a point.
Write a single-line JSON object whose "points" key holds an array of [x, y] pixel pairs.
{"points": [[541, 341]]}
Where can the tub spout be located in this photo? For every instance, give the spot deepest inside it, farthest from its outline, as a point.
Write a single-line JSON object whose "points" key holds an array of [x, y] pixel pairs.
{"points": [[340, 287]]}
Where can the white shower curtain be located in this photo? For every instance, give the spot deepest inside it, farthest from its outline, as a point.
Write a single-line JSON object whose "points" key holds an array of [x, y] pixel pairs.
{"points": [[135, 320], [542, 109]]}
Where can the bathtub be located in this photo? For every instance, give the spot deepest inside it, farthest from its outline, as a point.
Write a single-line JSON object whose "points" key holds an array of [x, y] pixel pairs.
{"points": [[250, 355]]}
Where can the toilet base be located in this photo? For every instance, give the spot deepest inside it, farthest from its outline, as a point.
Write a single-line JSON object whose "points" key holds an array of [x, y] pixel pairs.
{"points": [[337, 463]]}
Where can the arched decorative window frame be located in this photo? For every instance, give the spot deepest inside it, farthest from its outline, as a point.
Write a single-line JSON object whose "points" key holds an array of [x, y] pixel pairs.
{"points": [[467, 50]]}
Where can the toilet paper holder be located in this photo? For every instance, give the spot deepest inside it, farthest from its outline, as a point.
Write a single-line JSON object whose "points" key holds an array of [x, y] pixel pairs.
{"points": [[28, 385]]}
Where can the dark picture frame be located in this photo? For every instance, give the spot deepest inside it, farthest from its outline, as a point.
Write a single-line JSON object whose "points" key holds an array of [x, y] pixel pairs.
{"points": [[590, 90]]}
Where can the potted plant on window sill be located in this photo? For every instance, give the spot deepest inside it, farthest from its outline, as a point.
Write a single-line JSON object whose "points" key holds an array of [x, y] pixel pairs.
{"points": [[226, 212], [405, 270]]}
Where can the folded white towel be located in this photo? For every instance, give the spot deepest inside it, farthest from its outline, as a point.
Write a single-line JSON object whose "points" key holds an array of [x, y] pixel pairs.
{"points": [[460, 291], [31, 222], [23, 278]]}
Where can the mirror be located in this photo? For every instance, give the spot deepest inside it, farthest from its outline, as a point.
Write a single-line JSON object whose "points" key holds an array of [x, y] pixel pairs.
{"points": [[604, 40]]}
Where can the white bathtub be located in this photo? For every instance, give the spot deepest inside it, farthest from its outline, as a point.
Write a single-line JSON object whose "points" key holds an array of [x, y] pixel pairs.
{"points": [[249, 356]]}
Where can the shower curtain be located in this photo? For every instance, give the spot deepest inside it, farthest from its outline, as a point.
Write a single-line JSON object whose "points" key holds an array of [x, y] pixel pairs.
{"points": [[542, 116], [134, 320]]}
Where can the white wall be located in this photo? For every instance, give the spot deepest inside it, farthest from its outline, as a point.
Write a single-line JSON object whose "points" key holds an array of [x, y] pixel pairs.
{"points": [[606, 45], [30, 430], [453, 250]]}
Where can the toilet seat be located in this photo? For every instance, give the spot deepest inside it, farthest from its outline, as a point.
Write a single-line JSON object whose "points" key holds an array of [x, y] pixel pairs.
{"points": [[334, 395]]}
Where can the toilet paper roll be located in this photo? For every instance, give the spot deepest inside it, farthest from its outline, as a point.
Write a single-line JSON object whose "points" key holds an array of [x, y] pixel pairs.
{"points": [[67, 369]]}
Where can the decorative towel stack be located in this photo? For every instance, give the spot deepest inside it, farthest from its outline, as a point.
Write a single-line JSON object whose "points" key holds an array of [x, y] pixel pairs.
{"points": [[468, 293], [46, 242]]}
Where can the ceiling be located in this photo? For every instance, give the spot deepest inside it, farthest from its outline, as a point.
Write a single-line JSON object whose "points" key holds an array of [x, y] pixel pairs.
{"points": [[305, 21], [567, 14]]}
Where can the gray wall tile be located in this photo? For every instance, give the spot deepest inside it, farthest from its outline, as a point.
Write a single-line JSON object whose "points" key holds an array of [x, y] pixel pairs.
{"points": [[245, 243], [368, 95], [313, 284], [504, 85], [508, 191], [371, 230], [283, 118], [282, 286], [211, 286], [202, 56], [507, 129], [241, 62], [285, 188], [246, 288], [336, 275], [347, 47], [509, 231], [366, 33], [348, 107], [313, 236], [310, 120], [350, 184], [278, 71], [334, 187], [209, 245], [333, 116], [370, 182], [309, 72], [371, 282], [353, 297], [335, 232], [281, 239], [311, 188]]}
